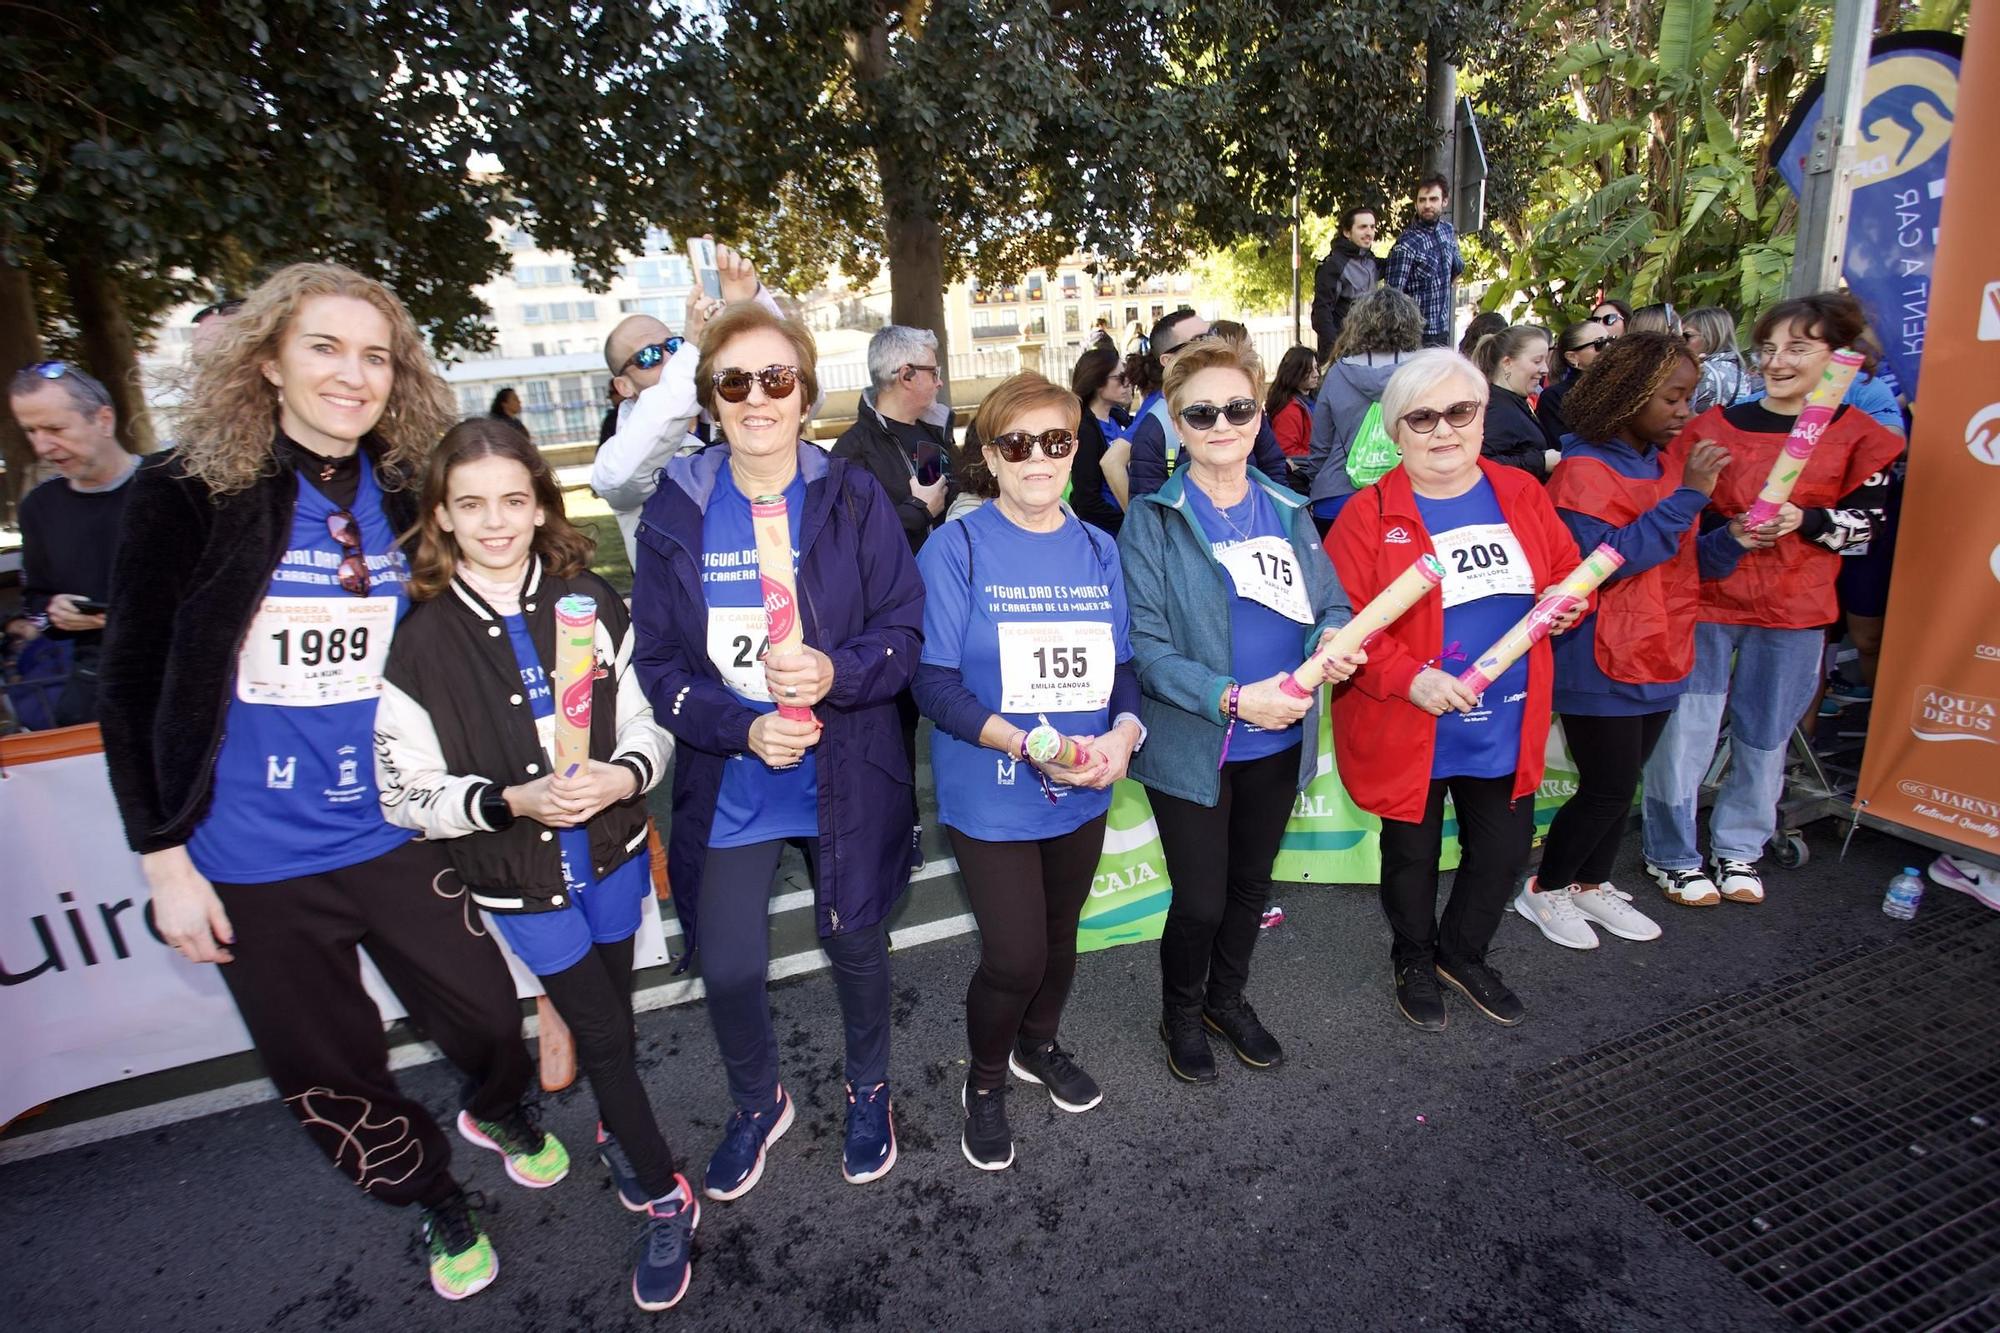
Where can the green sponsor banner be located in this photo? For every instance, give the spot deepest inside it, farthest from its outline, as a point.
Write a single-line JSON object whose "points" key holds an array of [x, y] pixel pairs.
{"points": [[1328, 840], [1128, 898]]}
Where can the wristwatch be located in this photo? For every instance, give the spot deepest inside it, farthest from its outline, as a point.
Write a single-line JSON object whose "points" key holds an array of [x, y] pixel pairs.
{"points": [[493, 811]]}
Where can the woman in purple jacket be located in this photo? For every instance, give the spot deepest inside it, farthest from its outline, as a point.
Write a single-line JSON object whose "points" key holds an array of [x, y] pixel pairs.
{"points": [[747, 780]]}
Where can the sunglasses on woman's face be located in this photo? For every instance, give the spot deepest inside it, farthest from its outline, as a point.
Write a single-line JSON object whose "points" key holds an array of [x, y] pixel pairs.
{"points": [[1594, 345], [1425, 419], [733, 385], [1017, 446], [652, 354], [1238, 411], [1609, 317]]}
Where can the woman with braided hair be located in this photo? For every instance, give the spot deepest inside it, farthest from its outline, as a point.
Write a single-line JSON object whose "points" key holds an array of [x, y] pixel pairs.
{"points": [[1626, 480]]}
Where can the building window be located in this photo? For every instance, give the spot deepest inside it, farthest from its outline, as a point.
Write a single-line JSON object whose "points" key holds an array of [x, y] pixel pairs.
{"points": [[1035, 287], [1069, 287], [531, 314], [1131, 314], [586, 311], [656, 306], [1159, 313], [995, 324], [472, 400], [1038, 325], [1072, 319], [526, 275], [558, 312], [556, 275], [978, 293], [1108, 287]]}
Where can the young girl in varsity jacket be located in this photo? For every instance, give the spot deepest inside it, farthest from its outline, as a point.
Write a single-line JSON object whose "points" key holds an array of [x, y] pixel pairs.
{"points": [[463, 738]]}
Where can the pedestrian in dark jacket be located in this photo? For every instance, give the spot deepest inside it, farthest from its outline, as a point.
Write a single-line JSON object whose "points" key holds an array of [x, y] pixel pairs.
{"points": [[1514, 362], [901, 432], [466, 755], [748, 779], [1349, 272], [257, 584], [1577, 346]]}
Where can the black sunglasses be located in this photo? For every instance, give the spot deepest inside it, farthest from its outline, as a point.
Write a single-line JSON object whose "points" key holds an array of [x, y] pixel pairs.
{"points": [[733, 386], [1017, 446], [1425, 419], [1238, 411], [1594, 345], [652, 354], [344, 529], [1186, 343]]}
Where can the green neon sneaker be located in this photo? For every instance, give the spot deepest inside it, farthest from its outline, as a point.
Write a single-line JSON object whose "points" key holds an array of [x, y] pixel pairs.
{"points": [[534, 1157], [462, 1259]]}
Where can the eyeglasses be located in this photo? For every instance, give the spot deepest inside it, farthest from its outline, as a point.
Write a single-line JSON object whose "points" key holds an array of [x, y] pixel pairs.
{"points": [[733, 386], [931, 369], [343, 528], [652, 354], [1117, 377], [1425, 419], [1017, 446], [1239, 411], [51, 370]]}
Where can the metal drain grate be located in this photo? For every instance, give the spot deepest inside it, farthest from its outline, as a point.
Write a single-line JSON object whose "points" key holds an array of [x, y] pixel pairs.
{"points": [[1834, 1140]]}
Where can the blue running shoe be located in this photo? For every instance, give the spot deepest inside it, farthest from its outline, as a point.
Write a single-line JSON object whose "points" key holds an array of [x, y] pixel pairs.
{"points": [[630, 1192], [870, 1149], [660, 1270], [738, 1162]]}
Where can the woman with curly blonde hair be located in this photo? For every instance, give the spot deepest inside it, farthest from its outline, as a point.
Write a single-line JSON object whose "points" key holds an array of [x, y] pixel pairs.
{"points": [[258, 582]]}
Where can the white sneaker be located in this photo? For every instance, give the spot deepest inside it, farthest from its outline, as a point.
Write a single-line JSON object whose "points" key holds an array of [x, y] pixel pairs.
{"points": [[1954, 872], [1606, 905], [1738, 881], [1687, 888], [1555, 916]]}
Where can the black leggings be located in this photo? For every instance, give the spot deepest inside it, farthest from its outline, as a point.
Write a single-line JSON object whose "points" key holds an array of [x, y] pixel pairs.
{"points": [[1027, 897], [594, 996], [1495, 834], [1219, 858], [1609, 752]]}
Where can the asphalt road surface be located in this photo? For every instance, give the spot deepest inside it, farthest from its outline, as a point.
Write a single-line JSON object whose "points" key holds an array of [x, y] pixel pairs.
{"points": [[1383, 1179]]}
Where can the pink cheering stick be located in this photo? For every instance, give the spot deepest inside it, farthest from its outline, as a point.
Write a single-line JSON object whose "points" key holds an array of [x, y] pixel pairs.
{"points": [[1405, 591], [1790, 464], [1532, 628], [1047, 745], [575, 676], [770, 520]]}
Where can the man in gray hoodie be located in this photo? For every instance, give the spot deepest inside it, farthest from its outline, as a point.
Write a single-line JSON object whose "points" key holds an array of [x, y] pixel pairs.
{"points": [[1381, 329]]}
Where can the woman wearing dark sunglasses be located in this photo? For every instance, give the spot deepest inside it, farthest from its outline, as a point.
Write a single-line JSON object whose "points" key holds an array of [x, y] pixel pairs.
{"points": [[1408, 732], [748, 779], [1229, 590], [259, 582], [1577, 346], [1024, 625]]}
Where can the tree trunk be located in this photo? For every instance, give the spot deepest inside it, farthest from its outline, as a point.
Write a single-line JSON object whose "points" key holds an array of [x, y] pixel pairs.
{"points": [[109, 348], [20, 345], [915, 242], [1441, 106]]}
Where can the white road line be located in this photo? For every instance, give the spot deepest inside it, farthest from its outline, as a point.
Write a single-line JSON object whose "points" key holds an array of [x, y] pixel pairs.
{"points": [[684, 990]]}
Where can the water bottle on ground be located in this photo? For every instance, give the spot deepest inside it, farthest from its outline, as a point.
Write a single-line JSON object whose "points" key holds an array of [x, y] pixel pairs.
{"points": [[1905, 892]]}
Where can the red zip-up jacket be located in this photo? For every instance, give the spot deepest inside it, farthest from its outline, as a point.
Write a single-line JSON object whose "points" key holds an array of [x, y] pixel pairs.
{"points": [[1384, 743]]}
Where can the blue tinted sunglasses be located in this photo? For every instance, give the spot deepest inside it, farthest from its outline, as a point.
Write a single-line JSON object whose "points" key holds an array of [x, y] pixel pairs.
{"points": [[652, 354]]}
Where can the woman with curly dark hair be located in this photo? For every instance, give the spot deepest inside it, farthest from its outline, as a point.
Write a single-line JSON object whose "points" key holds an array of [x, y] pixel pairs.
{"points": [[1630, 479]]}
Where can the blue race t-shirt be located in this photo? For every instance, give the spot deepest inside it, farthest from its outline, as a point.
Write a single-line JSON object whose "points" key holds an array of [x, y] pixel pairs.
{"points": [[1036, 627], [294, 786], [1270, 613], [1488, 585], [551, 942], [756, 803]]}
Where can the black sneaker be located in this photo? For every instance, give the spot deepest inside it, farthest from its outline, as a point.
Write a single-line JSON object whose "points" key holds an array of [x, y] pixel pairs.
{"points": [[988, 1142], [1188, 1055], [916, 848], [1237, 1021], [1482, 985], [1051, 1066], [1418, 998]]}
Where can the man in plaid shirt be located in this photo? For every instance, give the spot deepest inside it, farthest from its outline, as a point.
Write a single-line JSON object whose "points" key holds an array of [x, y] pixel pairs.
{"points": [[1425, 261]]}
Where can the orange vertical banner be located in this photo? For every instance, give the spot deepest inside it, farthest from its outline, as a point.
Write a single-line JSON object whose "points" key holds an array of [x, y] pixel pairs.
{"points": [[1933, 757]]}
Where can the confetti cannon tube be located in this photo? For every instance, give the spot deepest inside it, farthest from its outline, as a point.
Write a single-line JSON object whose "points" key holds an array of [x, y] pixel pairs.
{"points": [[1047, 745], [1790, 464], [1405, 591], [576, 660], [770, 520], [1532, 628]]}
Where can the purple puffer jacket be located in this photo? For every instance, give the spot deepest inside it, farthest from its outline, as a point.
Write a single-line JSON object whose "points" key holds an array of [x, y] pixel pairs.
{"points": [[862, 603]]}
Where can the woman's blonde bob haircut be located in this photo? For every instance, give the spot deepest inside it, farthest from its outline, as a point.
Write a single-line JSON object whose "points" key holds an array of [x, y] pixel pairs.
{"points": [[749, 317], [1419, 376], [226, 431], [1212, 354]]}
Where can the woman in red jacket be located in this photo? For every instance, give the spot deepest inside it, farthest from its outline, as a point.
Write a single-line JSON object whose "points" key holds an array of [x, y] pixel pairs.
{"points": [[1405, 730]]}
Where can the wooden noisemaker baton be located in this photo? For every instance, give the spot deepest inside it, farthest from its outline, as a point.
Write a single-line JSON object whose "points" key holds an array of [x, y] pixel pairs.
{"points": [[1790, 464], [1532, 628], [770, 520], [1405, 591], [576, 660]]}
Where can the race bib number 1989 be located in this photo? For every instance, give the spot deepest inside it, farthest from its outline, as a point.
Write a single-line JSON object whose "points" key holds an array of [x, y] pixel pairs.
{"points": [[312, 651]]}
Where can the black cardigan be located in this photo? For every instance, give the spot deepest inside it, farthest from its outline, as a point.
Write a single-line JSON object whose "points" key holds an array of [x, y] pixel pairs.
{"points": [[1513, 436], [192, 569]]}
